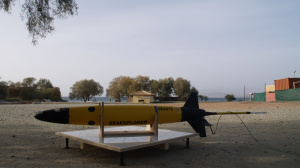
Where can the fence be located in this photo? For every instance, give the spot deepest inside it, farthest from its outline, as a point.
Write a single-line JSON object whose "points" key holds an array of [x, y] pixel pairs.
{"points": [[288, 95], [260, 96]]}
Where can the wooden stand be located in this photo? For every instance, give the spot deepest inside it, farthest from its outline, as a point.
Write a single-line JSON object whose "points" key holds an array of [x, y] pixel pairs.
{"points": [[150, 129], [122, 139]]}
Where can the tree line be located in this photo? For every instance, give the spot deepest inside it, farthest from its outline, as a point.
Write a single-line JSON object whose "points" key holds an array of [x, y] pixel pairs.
{"points": [[120, 87], [125, 86], [29, 90]]}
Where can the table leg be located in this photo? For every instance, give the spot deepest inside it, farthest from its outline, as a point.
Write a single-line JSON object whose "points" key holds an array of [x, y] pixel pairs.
{"points": [[67, 143], [122, 159], [187, 142]]}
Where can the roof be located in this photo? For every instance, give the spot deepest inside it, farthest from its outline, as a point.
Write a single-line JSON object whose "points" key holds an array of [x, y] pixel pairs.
{"points": [[289, 78], [142, 93], [46, 100]]}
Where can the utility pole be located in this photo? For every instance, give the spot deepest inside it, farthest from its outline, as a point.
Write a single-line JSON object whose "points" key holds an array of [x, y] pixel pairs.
{"points": [[244, 93]]}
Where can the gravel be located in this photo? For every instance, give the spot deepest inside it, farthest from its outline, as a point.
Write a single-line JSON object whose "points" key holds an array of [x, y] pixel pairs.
{"points": [[257, 140]]}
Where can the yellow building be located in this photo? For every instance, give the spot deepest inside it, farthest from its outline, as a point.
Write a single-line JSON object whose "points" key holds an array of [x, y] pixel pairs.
{"points": [[270, 88], [142, 97]]}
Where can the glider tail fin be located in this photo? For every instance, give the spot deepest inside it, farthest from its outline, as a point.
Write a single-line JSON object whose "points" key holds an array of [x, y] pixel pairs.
{"points": [[195, 116], [199, 126], [192, 101]]}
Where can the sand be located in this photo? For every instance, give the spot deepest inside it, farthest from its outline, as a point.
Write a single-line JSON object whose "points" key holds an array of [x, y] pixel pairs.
{"points": [[27, 142]]}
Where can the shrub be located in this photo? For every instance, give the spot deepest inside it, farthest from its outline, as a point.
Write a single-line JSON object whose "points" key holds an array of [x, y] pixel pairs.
{"points": [[230, 97]]}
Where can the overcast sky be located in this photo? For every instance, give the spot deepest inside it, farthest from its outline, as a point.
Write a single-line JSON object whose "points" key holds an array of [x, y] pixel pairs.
{"points": [[219, 46]]}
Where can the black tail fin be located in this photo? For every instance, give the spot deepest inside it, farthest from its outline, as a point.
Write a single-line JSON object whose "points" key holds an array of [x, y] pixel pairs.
{"points": [[192, 101], [192, 106], [198, 125]]}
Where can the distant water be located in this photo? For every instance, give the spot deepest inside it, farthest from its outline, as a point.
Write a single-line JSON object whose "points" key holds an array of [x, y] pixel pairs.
{"points": [[107, 99], [224, 100], [95, 99]]}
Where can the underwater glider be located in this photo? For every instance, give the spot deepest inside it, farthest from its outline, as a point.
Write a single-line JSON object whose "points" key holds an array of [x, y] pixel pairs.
{"points": [[120, 115]]}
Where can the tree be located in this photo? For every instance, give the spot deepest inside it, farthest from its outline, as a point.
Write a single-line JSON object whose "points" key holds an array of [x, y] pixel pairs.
{"points": [[40, 14], [3, 89], [44, 84], [143, 82], [107, 92], [194, 90], [202, 97], [28, 90], [85, 89], [230, 97], [55, 94], [114, 90], [45, 90], [166, 87], [121, 86], [182, 88], [138, 83], [29, 82], [14, 90], [154, 87], [125, 86]]}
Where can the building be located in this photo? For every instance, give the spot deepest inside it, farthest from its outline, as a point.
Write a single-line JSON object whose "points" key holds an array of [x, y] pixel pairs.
{"points": [[142, 97], [287, 89], [287, 83], [270, 93]]}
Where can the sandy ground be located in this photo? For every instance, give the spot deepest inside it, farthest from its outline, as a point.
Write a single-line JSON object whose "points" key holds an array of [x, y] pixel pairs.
{"points": [[27, 142]]}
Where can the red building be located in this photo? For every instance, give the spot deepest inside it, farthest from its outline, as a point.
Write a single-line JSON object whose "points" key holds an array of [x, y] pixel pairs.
{"points": [[287, 83]]}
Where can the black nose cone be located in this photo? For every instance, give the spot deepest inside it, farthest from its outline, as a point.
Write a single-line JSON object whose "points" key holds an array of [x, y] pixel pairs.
{"points": [[54, 115]]}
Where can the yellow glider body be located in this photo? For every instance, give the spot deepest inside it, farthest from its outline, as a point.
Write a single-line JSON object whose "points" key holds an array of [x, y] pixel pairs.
{"points": [[124, 115]]}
